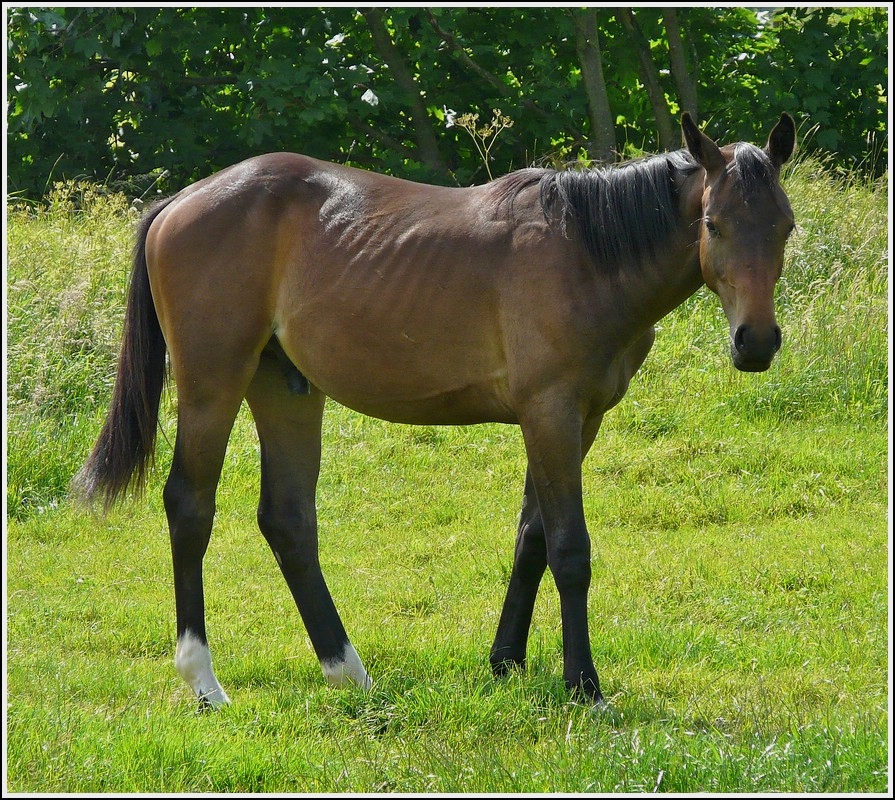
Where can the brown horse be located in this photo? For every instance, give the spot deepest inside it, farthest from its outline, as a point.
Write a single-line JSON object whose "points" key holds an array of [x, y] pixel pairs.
{"points": [[529, 300]]}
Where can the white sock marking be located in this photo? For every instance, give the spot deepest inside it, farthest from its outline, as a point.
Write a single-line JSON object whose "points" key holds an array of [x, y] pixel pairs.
{"points": [[347, 669], [193, 662]]}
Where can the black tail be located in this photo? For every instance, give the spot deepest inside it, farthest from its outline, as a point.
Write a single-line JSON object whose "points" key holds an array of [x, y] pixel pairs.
{"points": [[126, 442]]}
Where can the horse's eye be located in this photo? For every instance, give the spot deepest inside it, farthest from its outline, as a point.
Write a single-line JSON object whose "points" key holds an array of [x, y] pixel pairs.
{"points": [[712, 228]]}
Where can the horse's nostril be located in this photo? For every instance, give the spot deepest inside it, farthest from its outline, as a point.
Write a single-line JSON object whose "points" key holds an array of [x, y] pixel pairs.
{"points": [[778, 338], [739, 338]]}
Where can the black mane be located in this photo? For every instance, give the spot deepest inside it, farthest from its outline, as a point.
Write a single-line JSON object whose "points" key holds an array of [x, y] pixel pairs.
{"points": [[623, 214]]}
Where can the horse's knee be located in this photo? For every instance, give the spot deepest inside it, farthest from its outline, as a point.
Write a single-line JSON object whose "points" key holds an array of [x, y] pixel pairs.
{"points": [[569, 562], [531, 548], [291, 533]]}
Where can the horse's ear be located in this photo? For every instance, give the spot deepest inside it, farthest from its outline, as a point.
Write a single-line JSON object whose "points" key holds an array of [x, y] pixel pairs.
{"points": [[782, 140], [703, 149]]}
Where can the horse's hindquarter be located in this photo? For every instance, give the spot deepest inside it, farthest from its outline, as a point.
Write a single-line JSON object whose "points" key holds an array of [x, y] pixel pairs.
{"points": [[211, 257]]}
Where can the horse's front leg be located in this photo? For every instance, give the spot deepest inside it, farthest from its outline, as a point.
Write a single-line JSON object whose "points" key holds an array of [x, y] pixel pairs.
{"points": [[556, 439], [529, 564]]}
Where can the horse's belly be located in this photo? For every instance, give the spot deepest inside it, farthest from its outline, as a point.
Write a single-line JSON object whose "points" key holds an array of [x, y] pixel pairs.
{"points": [[465, 406], [406, 376], [415, 397]]}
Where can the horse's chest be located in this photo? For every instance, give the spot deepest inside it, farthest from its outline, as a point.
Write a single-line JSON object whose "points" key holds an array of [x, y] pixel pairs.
{"points": [[616, 374]]}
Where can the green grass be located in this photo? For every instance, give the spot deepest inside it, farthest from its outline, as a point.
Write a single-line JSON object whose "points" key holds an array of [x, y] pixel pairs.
{"points": [[739, 610]]}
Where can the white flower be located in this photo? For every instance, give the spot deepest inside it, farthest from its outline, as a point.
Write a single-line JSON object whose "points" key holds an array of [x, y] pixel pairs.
{"points": [[370, 97]]}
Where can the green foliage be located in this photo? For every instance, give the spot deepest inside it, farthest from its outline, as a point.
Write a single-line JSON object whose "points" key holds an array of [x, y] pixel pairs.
{"points": [[833, 63], [153, 98]]}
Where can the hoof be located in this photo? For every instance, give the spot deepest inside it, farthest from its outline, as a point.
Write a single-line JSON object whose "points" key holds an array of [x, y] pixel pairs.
{"points": [[606, 713], [601, 705], [205, 706], [587, 689], [504, 666], [212, 700], [346, 670]]}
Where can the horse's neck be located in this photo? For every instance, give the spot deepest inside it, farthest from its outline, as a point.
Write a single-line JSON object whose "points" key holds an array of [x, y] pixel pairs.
{"points": [[662, 283]]}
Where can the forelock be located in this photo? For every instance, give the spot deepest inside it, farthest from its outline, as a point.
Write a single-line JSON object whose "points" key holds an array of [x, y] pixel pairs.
{"points": [[752, 168]]}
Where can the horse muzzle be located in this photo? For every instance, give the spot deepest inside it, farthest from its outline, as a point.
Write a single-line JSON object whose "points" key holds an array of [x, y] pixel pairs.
{"points": [[753, 349]]}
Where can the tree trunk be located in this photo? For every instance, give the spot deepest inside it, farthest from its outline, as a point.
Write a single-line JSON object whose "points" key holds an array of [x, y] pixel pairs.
{"points": [[650, 77], [602, 139], [424, 133], [686, 84]]}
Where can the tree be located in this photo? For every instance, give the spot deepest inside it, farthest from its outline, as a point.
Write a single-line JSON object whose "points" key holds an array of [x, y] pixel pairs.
{"points": [[833, 63], [403, 77], [126, 95], [650, 76]]}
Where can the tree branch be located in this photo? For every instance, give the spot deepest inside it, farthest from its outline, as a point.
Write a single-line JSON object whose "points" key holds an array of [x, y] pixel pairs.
{"points": [[106, 64], [357, 123], [489, 77]]}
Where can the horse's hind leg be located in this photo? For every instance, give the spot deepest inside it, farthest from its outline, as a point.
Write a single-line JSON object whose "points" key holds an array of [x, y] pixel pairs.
{"points": [[289, 430], [204, 421]]}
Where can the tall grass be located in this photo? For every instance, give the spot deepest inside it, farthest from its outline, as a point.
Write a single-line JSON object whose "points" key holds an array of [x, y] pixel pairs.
{"points": [[68, 270], [739, 608]]}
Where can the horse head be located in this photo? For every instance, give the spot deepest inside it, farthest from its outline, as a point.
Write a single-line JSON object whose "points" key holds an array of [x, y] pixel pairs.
{"points": [[745, 222]]}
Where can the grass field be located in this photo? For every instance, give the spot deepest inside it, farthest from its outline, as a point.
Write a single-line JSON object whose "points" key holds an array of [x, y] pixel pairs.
{"points": [[740, 604]]}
